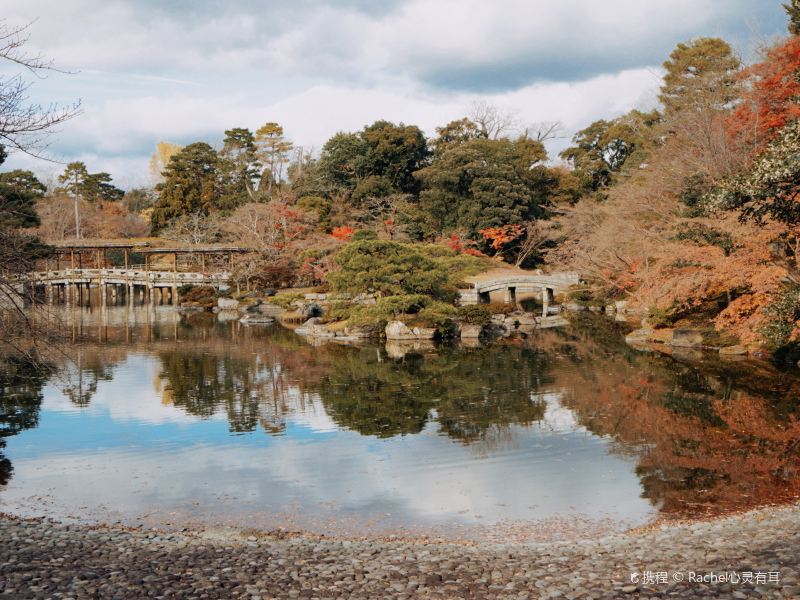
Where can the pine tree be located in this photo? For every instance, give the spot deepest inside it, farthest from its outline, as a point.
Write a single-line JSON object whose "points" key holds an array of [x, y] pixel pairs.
{"points": [[792, 9]]}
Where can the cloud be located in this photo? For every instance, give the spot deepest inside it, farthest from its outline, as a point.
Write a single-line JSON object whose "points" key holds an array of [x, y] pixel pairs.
{"points": [[119, 134], [149, 71]]}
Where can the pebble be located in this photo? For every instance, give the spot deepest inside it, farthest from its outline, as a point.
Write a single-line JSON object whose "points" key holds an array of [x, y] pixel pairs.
{"points": [[43, 559]]}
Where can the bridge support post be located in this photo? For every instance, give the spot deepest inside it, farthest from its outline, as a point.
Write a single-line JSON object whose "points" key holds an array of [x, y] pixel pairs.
{"points": [[510, 296], [48, 293], [547, 298], [174, 294], [151, 294], [130, 294]]}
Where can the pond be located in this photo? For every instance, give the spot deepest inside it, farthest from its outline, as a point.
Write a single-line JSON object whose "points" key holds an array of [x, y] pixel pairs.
{"points": [[149, 417]]}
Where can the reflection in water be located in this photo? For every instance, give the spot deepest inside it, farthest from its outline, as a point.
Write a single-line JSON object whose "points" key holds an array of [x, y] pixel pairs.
{"points": [[21, 383], [566, 423]]}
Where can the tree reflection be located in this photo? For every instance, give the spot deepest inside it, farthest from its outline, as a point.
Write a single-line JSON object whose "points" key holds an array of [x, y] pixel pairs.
{"points": [[21, 382], [87, 369], [710, 437]]}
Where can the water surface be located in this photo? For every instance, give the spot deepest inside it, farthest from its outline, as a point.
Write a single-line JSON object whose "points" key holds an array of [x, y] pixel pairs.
{"points": [[166, 420]]}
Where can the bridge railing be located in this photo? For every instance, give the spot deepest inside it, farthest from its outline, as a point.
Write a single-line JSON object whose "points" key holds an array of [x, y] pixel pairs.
{"points": [[135, 274]]}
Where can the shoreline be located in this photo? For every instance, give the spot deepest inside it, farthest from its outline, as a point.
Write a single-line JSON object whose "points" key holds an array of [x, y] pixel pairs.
{"points": [[111, 561]]}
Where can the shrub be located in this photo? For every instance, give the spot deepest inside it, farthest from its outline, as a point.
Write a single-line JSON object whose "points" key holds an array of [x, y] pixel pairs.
{"points": [[702, 235], [782, 316], [475, 314], [389, 268], [659, 317], [364, 234], [694, 193], [285, 301], [438, 315]]}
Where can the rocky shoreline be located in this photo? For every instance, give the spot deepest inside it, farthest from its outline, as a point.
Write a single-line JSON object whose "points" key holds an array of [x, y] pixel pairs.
{"points": [[42, 559]]}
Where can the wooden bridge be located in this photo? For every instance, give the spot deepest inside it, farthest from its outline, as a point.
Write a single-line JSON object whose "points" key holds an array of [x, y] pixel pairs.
{"points": [[151, 282], [549, 285]]}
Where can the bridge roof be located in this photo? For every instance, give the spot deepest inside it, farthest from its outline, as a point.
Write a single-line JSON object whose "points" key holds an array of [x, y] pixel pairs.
{"points": [[196, 249], [74, 245]]}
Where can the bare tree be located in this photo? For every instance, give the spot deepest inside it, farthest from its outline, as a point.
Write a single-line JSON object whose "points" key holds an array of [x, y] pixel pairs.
{"points": [[545, 130], [538, 234], [494, 122], [24, 125], [194, 228]]}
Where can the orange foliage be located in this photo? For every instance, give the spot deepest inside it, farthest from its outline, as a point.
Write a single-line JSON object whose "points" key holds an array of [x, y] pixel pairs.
{"points": [[503, 235], [772, 101], [343, 233]]}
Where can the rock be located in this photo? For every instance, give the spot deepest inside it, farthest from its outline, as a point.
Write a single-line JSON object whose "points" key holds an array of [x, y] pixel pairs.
{"points": [[639, 336], [574, 307], [227, 304], [595, 309], [687, 338], [736, 350], [270, 310], [256, 318], [191, 307], [471, 331], [498, 319], [611, 309], [362, 331], [397, 330], [228, 315], [552, 321]]}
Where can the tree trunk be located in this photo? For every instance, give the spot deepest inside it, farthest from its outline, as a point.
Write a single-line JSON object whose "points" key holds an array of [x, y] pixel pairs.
{"points": [[77, 219]]}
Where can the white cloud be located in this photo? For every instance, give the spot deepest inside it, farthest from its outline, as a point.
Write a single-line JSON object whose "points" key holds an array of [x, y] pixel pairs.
{"points": [[150, 71], [118, 135]]}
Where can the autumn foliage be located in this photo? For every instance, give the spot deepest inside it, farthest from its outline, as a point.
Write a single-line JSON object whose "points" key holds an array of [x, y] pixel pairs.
{"points": [[773, 98], [500, 237], [343, 233]]}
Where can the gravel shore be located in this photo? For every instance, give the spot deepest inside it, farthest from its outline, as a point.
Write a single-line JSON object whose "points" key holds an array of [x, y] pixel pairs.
{"points": [[40, 559]]}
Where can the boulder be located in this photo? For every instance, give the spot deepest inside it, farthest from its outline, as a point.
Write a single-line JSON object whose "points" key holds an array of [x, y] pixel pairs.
{"points": [[736, 350], [687, 338], [639, 336], [362, 331], [553, 321], [191, 307], [256, 318], [574, 307], [397, 330], [469, 331], [227, 304], [498, 319]]}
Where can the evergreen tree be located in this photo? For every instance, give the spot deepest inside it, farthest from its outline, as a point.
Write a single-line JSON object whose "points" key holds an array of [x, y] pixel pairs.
{"points": [[24, 180], [792, 9], [191, 186], [484, 183], [239, 165], [700, 74], [17, 203]]}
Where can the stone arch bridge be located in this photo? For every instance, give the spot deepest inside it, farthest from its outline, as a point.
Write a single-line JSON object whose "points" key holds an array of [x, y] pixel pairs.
{"points": [[549, 285]]}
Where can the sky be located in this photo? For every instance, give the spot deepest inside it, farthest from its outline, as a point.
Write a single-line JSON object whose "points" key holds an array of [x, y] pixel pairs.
{"points": [[187, 70]]}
